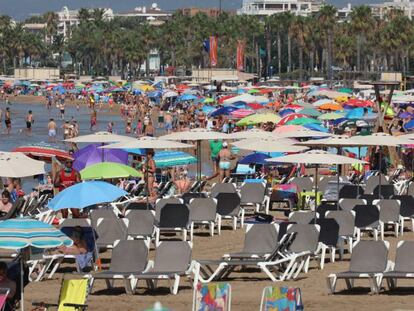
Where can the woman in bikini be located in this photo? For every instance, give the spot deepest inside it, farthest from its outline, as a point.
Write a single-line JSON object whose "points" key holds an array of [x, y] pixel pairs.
{"points": [[149, 168]]}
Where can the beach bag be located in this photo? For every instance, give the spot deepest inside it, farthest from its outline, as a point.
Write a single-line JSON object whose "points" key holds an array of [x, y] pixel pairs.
{"points": [[281, 299], [212, 297]]}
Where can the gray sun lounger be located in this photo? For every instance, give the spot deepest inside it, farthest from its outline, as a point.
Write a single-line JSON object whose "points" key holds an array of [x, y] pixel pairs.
{"points": [[172, 261], [403, 268], [203, 211], [141, 224], [128, 257], [368, 261]]}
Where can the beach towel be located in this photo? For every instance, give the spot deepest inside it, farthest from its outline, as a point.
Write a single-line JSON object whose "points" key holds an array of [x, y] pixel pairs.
{"points": [[285, 192], [281, 299], [212, 297], [73, 292]]}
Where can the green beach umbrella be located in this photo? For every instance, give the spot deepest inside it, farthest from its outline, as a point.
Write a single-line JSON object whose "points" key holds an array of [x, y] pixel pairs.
{"points": [[345, 90], [253, 91], [310, 112], [209, 100], [107, 170], [165, 159], [258, 118], [303, 121], [331, 116]]}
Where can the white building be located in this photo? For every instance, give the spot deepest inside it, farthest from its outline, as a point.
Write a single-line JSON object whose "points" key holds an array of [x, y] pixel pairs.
{"points": [[153, 13], [67, 19], [381, 9], [269, 7]]}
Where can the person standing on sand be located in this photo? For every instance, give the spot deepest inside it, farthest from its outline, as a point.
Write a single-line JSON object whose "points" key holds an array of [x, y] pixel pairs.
{"points": [[7, 120], [224, 157], [51, 126], [29, 121]]}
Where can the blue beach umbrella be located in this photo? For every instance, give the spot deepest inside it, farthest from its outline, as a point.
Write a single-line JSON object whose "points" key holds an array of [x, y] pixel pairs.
{"points": [[223, 111], [187, 97], [255, 158], [20, 233], [86, 194], [165, 159], [316, 127], [409, 125], [207, 109], [240, 104], [286, 112]]}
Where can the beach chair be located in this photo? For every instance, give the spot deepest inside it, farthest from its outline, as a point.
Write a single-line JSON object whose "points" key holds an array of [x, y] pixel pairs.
{"points": [[15, 209], [73, 296], [328, 238], [172, 261], [302, 183], [347, 204], [188, 196], [367, 219], [326, 206], [373, 182], [347, 231], [128, 257], [222, 188], [4, 292], [101, 213], [213, 296], [160, 203], [403, 267], [228, 207], [173, 217], [281, 298], [387, 191], [302, 217], [369, 198], [368, 261], [109, 230], [406, 209], [350, 192], [131, 206], [389, 215], [141, 224], [203, 211], [253, 195]]}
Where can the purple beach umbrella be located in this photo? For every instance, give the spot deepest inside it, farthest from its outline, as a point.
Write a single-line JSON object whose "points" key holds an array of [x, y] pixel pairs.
{"points": [[92, 154]]}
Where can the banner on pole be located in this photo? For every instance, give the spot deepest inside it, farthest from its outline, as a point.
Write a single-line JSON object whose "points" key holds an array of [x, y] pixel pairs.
{"points": [[240, 54], [213, 51]]}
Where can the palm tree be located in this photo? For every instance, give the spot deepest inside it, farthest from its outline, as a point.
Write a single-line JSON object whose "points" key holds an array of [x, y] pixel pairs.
{"points": [[58, 46], [84, 15], [362, 23], [297, 30], [51, 20]]}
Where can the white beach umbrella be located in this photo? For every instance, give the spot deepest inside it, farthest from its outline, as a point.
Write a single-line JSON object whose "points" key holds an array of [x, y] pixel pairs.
{"points": [[380, 139], [148, 143], [317, 157], [271, 144], [170, 94], [253, 133], [99, 137], [18, 165], [248, 98], [303, 134]]}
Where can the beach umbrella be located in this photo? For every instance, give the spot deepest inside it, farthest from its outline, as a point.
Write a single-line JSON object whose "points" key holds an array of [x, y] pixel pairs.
{"points": [[409, 125], [345, 90], [380, 139], [255, 158], [303, 121], [44, 151], [317, 157], [148, 143], [406, 115], [356, 114], [321, 102], [248, 98], [207, 109], [288, 128], [305, 133], [242, 113], [354, 102], [209, 100], [187, 97], [108, 170], [240, 104], [331, 107], [85, 194], [331, 116], [269, 144], [253, 133], [18, 165], [285, 112], [99, 137], [21, 233], [293, 106], [92, 154], [258, 118], [169, 94], [253, 91], [290, 117], [255, 106], [316, 127], [223, 111], [196, 135], [165, 159], [311, 112]]}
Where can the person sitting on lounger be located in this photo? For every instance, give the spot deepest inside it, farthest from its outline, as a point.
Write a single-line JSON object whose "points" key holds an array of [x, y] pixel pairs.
{"points": [[5, 282], [79, 244]]}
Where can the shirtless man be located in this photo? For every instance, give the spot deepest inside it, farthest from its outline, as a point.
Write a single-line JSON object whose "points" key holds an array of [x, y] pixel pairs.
{"points": [[7, 120], [29, 121], [52, 127]]}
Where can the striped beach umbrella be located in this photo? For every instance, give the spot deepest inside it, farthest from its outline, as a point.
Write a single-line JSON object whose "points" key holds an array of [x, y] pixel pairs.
{"points": [[20, 233], [165, 159]]}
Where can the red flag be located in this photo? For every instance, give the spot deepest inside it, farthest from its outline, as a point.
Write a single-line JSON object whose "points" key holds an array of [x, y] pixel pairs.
{"points": [[213, 51], [240, 54]]}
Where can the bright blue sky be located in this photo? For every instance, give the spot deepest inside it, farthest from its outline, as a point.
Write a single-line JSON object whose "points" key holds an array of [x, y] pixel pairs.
{"points": [[19, 9]]}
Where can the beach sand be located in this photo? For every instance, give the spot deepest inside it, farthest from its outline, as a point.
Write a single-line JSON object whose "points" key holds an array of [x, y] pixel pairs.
{"points": [[246, 287]]}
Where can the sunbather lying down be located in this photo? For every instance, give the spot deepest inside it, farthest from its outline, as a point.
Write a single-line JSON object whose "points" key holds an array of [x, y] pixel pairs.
{"points": [[79, 244]]}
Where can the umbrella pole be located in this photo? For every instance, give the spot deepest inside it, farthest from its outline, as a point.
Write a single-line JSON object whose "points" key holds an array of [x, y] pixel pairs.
{"points": [[380, 172], [199, 160], [21, 283], [146, 182], [362, 171], [337, 186], [316, 191]]}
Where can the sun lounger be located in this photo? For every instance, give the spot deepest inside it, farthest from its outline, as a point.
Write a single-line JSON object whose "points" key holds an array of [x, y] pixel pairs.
{"points": [[109, 230], [328, 238], [4, 292], [73, 296], [222, 188], [228, 207], [203, 211], [367, 219], [128, 257], [403, 267], [389, 215], [368, 261], [141, 224], [406, 209], [302, 217], [350, 192], [253, 195], [348, 204], [347, 230], [172, 261], [173, 217]]}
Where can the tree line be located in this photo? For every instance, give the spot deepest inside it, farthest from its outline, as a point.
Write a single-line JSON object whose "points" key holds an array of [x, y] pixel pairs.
{"points": [[282, 44]]}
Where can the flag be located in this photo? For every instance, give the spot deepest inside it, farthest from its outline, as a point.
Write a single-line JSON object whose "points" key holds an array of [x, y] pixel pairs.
{"points": [[213, 51], [206, 45], [240, 54]]}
